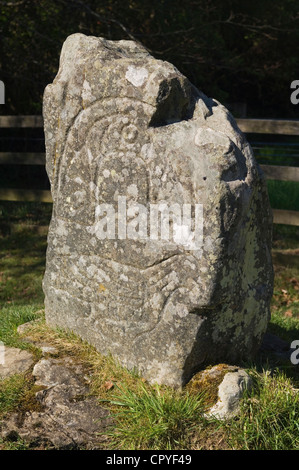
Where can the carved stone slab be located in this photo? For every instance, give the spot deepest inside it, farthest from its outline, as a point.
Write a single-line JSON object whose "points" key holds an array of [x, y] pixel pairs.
{"points": [[132, 144]]}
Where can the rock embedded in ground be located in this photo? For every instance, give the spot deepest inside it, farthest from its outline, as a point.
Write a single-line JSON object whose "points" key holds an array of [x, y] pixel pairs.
{"points": [[21, 329], [14, 361], [67, 417], [45, 348], [48, 350], [25, 327], [223, 387], [230, 392], [124, 134]]}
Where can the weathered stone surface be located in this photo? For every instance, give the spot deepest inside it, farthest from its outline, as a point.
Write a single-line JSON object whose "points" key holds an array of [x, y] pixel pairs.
{"points": [[230, 392], [68, 418], [24, 327], [121, 124], [14, 361], [223, 386], [21, 329]]}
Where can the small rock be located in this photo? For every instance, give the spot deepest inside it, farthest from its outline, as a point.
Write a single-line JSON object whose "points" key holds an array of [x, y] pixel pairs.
{"points": [[108, 385], [25, 326], [52, 372], [48, 350], [208, 381], [14, 361], [230, 392], [45, 348], [223, 386]]}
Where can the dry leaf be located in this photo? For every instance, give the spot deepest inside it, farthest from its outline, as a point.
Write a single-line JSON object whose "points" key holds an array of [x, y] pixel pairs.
{"points": [[108, 385], [288, 313]]}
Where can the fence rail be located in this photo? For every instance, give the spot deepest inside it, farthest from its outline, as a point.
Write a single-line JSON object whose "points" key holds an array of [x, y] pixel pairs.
{"points": [[22, 158], [253, 126], [25, 195], [269, 126], [21, 121]]}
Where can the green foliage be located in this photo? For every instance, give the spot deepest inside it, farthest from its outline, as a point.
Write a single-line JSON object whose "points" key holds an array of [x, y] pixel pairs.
{"points": [[285, 236], [233, 51]]}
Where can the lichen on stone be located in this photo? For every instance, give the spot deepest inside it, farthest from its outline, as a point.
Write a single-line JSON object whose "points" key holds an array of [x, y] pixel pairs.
{"points": [[131, 129], [207, 381]]}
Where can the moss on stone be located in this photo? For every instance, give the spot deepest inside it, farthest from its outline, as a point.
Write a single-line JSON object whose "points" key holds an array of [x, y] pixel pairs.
{"points": [[208, 381]]}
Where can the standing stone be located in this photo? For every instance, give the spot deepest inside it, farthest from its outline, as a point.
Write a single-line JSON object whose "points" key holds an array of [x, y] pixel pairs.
{"points": [[126, 133]]}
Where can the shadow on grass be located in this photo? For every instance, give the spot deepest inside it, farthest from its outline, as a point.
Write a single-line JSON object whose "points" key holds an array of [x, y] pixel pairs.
{"points": [[22, 262], [275, 353]]}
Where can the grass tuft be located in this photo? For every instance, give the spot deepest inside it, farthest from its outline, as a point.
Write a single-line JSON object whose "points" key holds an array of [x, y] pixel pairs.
{"points": [[155, 418], [269, 418]]}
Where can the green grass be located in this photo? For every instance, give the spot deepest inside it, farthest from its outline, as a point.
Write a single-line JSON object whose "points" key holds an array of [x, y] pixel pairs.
{"points": [[155, 418], [284, 155], [162, 419], [285, 237], [25, 212], [16, 392], [284, 194], [269, 418], [22, 261], [10, 318]]}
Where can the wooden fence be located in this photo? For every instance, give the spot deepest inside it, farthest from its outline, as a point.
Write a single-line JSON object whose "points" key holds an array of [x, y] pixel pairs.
{"points": [[256, 126]]}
